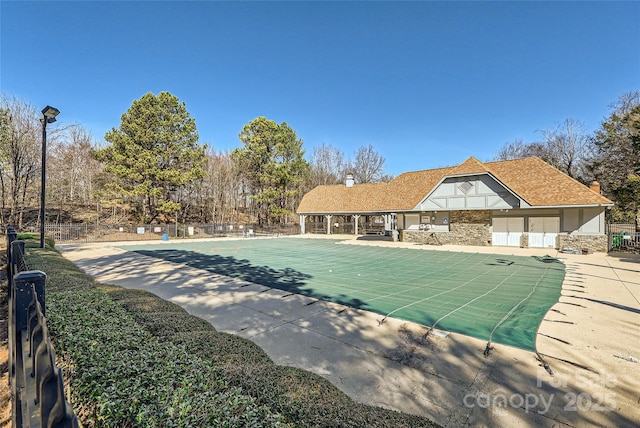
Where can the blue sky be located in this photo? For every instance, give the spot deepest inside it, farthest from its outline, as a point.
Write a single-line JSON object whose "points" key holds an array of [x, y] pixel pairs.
{"points": [[427, 84]]}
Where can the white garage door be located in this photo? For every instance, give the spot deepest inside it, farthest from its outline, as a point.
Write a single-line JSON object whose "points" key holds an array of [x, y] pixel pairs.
{"points": [[543, 231], [507, 231]]}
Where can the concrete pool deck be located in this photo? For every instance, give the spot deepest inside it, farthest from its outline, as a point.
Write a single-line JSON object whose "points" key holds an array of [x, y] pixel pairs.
{"points": [[586, 338]]}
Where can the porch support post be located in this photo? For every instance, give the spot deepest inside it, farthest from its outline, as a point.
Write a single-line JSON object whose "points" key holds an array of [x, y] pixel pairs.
{"points": [[302, 220], [356, 218], [391, 221], [328, 216]]}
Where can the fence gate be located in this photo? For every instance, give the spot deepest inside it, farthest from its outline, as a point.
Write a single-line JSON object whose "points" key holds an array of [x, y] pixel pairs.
{"points": [[624, 238]]}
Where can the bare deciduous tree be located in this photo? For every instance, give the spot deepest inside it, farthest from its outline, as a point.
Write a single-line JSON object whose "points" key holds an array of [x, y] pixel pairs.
{"points": [[20, 151], [327, 165], [568, 146], [368, 165], [223, 188], [519, 149], [72, 170]]}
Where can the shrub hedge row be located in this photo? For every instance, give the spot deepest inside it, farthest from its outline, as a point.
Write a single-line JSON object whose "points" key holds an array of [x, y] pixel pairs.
{"points": [[120, 375], [133, 359]]}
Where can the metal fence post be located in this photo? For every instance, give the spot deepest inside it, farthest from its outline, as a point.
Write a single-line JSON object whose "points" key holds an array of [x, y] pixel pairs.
{"points": [[22, 283], [12, 235], [15, 262]]}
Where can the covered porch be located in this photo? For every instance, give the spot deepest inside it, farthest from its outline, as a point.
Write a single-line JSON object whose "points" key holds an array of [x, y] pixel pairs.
{"points": [[377, 224]]}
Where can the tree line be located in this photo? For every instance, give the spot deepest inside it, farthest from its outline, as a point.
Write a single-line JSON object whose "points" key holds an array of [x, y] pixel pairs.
{"points": [[152, 168], [609, 155]]}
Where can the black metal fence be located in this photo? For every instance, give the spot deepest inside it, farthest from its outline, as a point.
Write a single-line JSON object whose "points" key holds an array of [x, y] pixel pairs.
{"points": [[623, 238], [86, 233], [37, 387]]}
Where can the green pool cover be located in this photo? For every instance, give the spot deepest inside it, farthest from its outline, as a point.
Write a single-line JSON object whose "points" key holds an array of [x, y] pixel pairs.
{"points": [[487, 296]]}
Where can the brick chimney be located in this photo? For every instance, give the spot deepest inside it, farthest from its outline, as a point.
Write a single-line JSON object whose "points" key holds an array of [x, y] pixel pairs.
{"points": [[595, 186]]}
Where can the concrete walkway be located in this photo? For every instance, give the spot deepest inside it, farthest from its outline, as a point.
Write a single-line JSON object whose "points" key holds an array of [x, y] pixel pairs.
{"points": [[587, 339]]}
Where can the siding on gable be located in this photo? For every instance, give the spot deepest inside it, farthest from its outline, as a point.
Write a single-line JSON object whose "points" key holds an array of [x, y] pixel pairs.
{"points": [[475, 192]]}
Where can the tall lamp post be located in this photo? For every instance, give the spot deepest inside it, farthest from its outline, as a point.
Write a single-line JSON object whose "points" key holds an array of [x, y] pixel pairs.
{"points": [[48, 116]]}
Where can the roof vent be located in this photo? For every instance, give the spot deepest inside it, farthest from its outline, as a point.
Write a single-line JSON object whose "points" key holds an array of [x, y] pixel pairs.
{"points": [[349, 182], [465, 187], [595, 186]]}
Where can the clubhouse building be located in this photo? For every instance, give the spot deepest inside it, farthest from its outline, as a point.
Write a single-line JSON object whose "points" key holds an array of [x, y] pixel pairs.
{"points": [[523, 203]]}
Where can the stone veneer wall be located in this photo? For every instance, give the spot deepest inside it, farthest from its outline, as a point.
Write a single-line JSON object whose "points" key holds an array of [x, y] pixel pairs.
{"points": [[473, 228], [465, 228], [591, 243]]}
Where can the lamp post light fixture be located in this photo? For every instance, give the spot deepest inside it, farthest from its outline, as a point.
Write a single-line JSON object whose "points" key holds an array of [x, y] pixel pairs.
{"points": [[48, 116]]}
